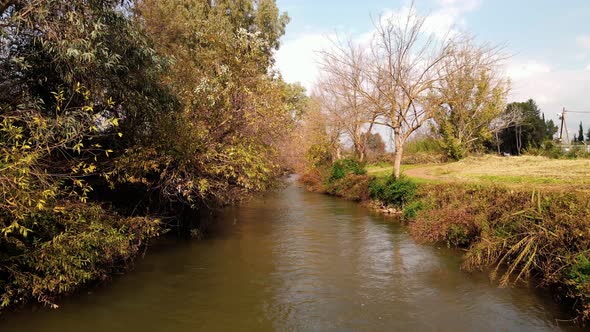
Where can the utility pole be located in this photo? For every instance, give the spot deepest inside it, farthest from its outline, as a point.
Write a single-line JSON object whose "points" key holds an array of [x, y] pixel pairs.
{"points": [[563, 125]]}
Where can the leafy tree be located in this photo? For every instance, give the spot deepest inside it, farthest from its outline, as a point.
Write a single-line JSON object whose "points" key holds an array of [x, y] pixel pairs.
{"points": [[550, 129], [88, 102], [55, 45], [79, 83], [531, 131], [473, 96], [234, 109], [375, 145]]}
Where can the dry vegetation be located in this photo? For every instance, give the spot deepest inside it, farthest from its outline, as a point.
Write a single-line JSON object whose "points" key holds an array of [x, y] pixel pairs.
{"points": [[548, 173]]}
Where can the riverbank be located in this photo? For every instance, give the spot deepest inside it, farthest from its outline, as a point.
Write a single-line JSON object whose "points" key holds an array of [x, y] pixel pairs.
{"points": [[518, 232], [293, 260]]}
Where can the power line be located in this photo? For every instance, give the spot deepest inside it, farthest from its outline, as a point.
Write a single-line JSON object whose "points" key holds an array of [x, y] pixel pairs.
{"points": [[579, 112]]}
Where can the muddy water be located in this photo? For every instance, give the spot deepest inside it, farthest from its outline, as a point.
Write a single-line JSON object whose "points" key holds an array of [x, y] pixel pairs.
{"points": [[297, 261]]}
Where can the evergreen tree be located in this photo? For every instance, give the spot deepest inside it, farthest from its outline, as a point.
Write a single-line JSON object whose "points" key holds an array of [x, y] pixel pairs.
{"points": [[531, 132], [581, 133]]}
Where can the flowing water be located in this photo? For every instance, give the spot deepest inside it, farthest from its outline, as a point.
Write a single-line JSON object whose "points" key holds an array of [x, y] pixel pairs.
{"points": [[298, 261]]}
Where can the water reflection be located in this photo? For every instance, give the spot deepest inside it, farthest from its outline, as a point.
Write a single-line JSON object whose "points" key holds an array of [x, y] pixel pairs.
{"points": [[297, 261]]}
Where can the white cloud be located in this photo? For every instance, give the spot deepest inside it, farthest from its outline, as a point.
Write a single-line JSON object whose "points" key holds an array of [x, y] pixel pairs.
{"points": [[465, 5], [297, 59], [552, 89], [525, 69], [588, 68], [583, 41], [446, 20]]}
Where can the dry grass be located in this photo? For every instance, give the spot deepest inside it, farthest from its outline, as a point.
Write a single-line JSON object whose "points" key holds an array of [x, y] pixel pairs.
{"points": [[523, 170]]}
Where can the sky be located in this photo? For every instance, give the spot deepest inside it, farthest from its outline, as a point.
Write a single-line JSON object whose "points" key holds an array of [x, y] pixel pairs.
{"points": [[548, 42]]}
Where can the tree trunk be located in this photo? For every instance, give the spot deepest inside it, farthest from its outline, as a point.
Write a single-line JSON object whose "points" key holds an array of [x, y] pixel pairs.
{"points": [[361, 152], [399, 150], [498, 143], [520, 140]]}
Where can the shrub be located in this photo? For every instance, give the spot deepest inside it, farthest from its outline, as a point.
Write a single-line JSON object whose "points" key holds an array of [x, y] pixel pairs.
{"points": [[547, 149], [411, 210], [312, 180], [427, 144], [396, 192], [343, 167], [352, 187], [577, 152], [65, 250], [424, 151], [455, 227]]}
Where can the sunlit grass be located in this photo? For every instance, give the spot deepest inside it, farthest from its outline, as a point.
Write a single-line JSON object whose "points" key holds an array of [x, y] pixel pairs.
{"points": [[493, 169]]}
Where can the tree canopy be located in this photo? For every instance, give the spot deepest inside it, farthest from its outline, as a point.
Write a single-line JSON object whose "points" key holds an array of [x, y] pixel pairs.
{"points": [[120, 118]]}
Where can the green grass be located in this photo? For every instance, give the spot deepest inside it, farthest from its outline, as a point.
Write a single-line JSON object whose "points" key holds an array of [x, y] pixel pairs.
{"points": [[380, 170]]}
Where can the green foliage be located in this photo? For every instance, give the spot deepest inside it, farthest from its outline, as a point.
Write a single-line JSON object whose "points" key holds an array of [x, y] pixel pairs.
{"points": [[234, 111], [343, 167], [353, 187], [177, 98], [45, 159], [579, 272], [412, 209], [551, 149], [391, 191], [577, 152], [474, 95], [74, 246], [53, 240], [454, 148], [531, 132], [425, 145], [318, 155], [548, 149]]}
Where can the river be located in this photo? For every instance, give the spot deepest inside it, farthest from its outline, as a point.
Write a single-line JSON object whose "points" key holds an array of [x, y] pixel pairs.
{"points": [[297, 261]]}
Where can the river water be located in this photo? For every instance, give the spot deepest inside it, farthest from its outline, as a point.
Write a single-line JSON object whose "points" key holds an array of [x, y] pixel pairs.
{"points": [[298, 261]]}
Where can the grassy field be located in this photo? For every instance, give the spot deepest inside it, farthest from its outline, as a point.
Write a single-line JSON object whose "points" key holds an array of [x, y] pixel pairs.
{"points": [[526, 170]]}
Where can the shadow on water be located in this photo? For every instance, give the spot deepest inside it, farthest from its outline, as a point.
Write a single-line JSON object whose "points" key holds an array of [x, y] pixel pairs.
{"points": [[298, 261]]}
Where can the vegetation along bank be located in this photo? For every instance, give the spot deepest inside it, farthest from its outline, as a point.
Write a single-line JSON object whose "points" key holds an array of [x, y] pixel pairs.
{"points": [[495, 178], [120, 120], [518, 232]]}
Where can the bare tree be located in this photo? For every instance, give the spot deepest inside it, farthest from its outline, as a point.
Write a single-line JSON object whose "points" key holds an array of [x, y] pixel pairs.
{"points": [[404, 76], [342, 89], [320, 120], [511, 117]]}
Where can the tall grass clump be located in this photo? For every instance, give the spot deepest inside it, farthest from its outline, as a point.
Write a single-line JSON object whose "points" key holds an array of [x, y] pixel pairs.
{"points": [[519, 234]]}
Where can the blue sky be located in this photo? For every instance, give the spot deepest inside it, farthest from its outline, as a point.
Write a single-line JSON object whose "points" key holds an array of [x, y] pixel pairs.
{"points": [[548, 40]]}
